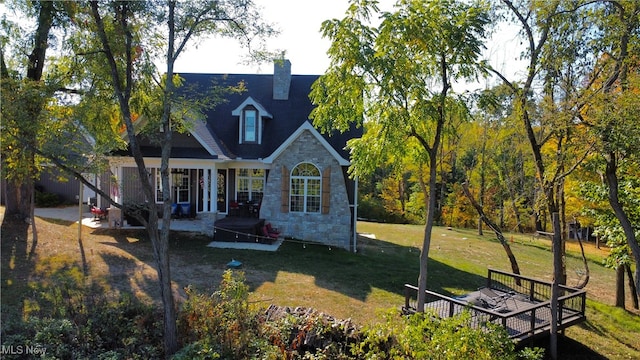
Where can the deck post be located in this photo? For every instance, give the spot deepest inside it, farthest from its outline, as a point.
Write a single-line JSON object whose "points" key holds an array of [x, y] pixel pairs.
{"points": [[555, 290], [533, 321], [406, 296], [531, 290]]}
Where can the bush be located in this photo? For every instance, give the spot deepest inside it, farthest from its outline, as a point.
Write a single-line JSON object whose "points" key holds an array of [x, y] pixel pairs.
{"points": [[220, 325], [45, 199], [371, 208], [223, 326], [424, 336]]}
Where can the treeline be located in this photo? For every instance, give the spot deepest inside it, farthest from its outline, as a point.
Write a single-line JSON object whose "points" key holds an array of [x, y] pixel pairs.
{"points": [[487, 150]]}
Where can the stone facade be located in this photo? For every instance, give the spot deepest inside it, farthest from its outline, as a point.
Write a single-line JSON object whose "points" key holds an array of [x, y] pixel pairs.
{"points": [[332, 228]]}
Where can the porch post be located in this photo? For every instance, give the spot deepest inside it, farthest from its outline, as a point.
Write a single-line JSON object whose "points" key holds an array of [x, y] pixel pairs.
{"points": [[205, 190], [115, 187], [213, 190]]}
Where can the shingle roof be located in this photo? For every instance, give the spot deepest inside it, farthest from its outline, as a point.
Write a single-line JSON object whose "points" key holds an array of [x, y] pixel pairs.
{"points": [[288, 115]]}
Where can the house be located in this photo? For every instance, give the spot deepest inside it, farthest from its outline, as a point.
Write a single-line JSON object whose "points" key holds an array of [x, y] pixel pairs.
{"points": [[259, 148]]}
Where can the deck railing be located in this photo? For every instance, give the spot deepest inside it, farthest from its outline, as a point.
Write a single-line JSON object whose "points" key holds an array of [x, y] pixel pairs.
{"points": [[525, 322]]}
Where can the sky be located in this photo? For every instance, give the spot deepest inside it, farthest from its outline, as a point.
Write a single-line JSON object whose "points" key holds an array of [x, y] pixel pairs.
{"points": [[299, 22]]}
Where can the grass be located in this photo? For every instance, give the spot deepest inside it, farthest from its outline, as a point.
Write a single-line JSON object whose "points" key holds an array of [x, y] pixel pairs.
{"points": [[360, 286]]}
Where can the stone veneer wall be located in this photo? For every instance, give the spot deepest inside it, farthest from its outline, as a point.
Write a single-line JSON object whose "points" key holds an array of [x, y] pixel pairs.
{"points": [[333, 228]]}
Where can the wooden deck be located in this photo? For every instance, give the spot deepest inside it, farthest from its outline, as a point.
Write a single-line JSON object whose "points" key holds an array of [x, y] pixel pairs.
{"points": [[520, 304]]}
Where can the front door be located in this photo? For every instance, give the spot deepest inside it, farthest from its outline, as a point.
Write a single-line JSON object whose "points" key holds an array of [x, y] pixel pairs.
{"points": [[222, 190]]}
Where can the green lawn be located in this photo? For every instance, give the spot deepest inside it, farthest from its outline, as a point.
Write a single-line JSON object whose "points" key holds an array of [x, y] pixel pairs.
{"points": [[344, 284], [363, 285]]}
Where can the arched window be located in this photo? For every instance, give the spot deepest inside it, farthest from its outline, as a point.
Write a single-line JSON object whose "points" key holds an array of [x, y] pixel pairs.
{"points": [[305, 191]]}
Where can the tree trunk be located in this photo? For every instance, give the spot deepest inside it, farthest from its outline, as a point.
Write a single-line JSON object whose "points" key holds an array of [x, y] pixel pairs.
{"points": [[611, 177], [161, 251], [20, 191], [620, 286], [483, 181], [18, 198], [428, 228], [587, 275], [170, 316], [632, 286], [433, 169], [505, 244]]}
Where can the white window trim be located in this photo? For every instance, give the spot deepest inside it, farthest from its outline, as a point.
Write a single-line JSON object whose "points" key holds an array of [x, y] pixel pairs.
{"points": [[305, 187], [158, 185], [181, 190], [250, 178], [261, 114]]}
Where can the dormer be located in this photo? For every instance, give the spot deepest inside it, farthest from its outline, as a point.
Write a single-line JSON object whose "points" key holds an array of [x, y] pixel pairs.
{"points": [[251, 115]]}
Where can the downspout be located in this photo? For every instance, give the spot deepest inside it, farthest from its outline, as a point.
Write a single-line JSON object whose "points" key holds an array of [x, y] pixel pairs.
{"points": [[355, 216]]}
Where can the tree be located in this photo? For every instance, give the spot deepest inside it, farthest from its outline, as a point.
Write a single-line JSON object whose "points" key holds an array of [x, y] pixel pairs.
{"points": [[556, 64], [185, 21], [608, 226], [236, 19], [26, 93], [115, 44], [612, 117], [399, 77]]}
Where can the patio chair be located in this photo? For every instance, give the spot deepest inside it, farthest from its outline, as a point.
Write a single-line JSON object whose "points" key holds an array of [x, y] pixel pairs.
{"points": [[234, 208], [492, 300], [271, 235], [272, 230], [99, 213]]}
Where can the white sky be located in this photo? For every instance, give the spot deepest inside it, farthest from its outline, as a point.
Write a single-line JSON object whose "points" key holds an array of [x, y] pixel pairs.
{"points": [[299, 22]]}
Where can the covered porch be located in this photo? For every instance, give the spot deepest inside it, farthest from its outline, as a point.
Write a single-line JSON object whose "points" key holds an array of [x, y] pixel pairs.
{"points": [[196, 186]]}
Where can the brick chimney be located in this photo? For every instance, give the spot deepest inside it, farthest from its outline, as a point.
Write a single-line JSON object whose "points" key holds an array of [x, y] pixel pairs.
{"points": [[281, 79]]}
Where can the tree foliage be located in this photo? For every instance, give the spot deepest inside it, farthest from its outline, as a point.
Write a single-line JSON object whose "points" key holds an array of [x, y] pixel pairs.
{"points": [[398, 76]]}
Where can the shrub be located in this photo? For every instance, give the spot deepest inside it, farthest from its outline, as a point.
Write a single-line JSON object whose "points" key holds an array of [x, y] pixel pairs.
{"points": [[372, 208], [307, 333], [220, 325], [424, 336], [46, 199]]}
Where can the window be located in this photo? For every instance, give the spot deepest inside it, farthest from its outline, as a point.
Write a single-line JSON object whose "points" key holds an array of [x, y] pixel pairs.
{"points": [[251, 117], [181, 189], [250, 185], [305, 192], [250, 125], [158, 186], [180, 180]]}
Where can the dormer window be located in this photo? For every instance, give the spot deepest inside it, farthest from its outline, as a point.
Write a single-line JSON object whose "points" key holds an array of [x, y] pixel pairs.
{"points": [[251, 116], [250, 127]]}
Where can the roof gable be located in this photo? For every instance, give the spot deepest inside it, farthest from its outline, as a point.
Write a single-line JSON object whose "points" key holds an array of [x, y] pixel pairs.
{"points": [[306, 126], [287, 115], [249, 101]]}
